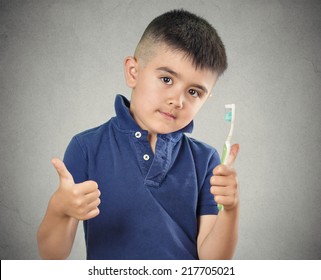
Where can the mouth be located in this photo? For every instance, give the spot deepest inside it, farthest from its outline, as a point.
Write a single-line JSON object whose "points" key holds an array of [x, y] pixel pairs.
{"points": [[167, 115]]}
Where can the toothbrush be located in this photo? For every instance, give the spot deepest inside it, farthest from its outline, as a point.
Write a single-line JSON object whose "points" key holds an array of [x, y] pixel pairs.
{"points": [[229, 117]]}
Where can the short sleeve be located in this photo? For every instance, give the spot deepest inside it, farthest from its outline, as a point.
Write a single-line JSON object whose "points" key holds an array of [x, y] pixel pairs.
{"points": [[75, 160], [206, 202]]}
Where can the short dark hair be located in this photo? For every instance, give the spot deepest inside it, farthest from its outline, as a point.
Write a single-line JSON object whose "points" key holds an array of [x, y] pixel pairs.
{"points": [[191, 34]]}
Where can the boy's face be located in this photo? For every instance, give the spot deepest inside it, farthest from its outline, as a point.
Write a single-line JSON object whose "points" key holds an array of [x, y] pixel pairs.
{"points": [[167, 90]]}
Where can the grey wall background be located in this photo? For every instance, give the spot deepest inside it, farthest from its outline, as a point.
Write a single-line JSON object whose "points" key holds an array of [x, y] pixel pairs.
{"points": [[61, 67]]}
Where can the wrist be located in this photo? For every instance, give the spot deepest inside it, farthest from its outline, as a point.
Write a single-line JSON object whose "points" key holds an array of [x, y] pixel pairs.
{"points": [[56, 208]]}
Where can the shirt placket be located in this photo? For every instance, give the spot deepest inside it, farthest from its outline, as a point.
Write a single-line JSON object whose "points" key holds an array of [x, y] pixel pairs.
{"points": [[143, 151], [153, 166]]}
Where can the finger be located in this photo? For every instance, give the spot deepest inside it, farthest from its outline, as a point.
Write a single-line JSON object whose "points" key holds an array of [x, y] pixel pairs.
{"points": [[233, 154], [61, 170], [94, 204], [92, 214], [87, 187], [222, 180], [222, 191], [223, 170], [217, 191], [226, 201], [93, 196]]}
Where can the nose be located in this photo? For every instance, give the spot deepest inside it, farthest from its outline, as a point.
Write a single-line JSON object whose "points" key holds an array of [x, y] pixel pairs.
{"points": [[176, 100]]}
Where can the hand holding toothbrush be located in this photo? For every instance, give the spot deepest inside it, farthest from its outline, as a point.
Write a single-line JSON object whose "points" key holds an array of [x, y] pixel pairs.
{"points": [[224, 182], [228, 158]]}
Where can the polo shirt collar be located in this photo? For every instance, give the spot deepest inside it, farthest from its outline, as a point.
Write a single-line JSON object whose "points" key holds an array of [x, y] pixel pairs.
{"points": [[126, 122]]}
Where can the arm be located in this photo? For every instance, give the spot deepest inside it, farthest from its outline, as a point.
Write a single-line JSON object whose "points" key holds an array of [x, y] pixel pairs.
{"points": [[217, 237], [56, 233], [69, 204]]}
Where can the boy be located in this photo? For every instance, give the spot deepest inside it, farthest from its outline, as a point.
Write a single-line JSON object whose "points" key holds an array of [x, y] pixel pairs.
{"points": [[157, 189]]}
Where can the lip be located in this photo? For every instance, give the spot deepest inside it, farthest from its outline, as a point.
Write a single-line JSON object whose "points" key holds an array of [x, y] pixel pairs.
{"points": [[167, 115]]}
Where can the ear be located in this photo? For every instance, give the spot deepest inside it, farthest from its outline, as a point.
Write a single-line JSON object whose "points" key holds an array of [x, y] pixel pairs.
{"points": [[131, 71]]}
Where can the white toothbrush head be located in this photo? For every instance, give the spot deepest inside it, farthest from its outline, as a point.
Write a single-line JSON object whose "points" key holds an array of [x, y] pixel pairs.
{"points": [[230, 117]]}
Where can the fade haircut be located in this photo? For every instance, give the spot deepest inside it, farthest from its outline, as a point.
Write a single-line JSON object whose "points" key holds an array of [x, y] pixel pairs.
{"points": [[188, 33]]}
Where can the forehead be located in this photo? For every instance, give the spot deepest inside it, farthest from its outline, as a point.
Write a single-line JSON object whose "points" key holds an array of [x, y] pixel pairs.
{"points": [[154, 52], [165, 57]]}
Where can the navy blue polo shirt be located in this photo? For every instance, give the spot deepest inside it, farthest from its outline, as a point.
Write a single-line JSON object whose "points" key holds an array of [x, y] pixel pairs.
{"points": [[149, 202]]}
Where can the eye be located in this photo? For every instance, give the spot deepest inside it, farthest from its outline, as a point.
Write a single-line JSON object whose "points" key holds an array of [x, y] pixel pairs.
{"points": [[194, 93], [167, 80]]}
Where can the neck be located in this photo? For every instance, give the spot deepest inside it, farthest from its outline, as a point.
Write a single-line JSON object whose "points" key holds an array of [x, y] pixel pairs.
{"points": [[152, 139]]}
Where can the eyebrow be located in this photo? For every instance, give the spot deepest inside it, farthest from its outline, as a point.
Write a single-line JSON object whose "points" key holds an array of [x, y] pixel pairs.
{"points": [[175, 74]]}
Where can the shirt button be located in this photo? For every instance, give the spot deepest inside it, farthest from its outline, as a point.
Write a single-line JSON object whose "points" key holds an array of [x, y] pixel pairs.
{"points": [[138, 134], [146, 157]]}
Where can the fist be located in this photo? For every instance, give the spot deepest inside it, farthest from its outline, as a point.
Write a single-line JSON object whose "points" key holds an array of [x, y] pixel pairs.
{"points": [[79, 201], [224, 183]]}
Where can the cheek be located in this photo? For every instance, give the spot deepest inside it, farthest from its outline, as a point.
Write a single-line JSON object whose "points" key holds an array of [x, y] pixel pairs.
{"points": [[192, 109], [147, 87], [148, 101]]}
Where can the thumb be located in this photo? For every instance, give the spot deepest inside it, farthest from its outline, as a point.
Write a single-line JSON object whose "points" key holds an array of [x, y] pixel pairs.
{"points": [[62, 170], [233, 154]]}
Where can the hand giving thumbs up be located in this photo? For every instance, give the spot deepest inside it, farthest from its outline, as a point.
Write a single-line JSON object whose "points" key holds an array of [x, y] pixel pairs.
{"points": [[79, 201]]}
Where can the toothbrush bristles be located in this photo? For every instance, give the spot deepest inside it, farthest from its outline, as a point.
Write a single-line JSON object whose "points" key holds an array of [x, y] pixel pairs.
{"points": [[228, 116]]}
